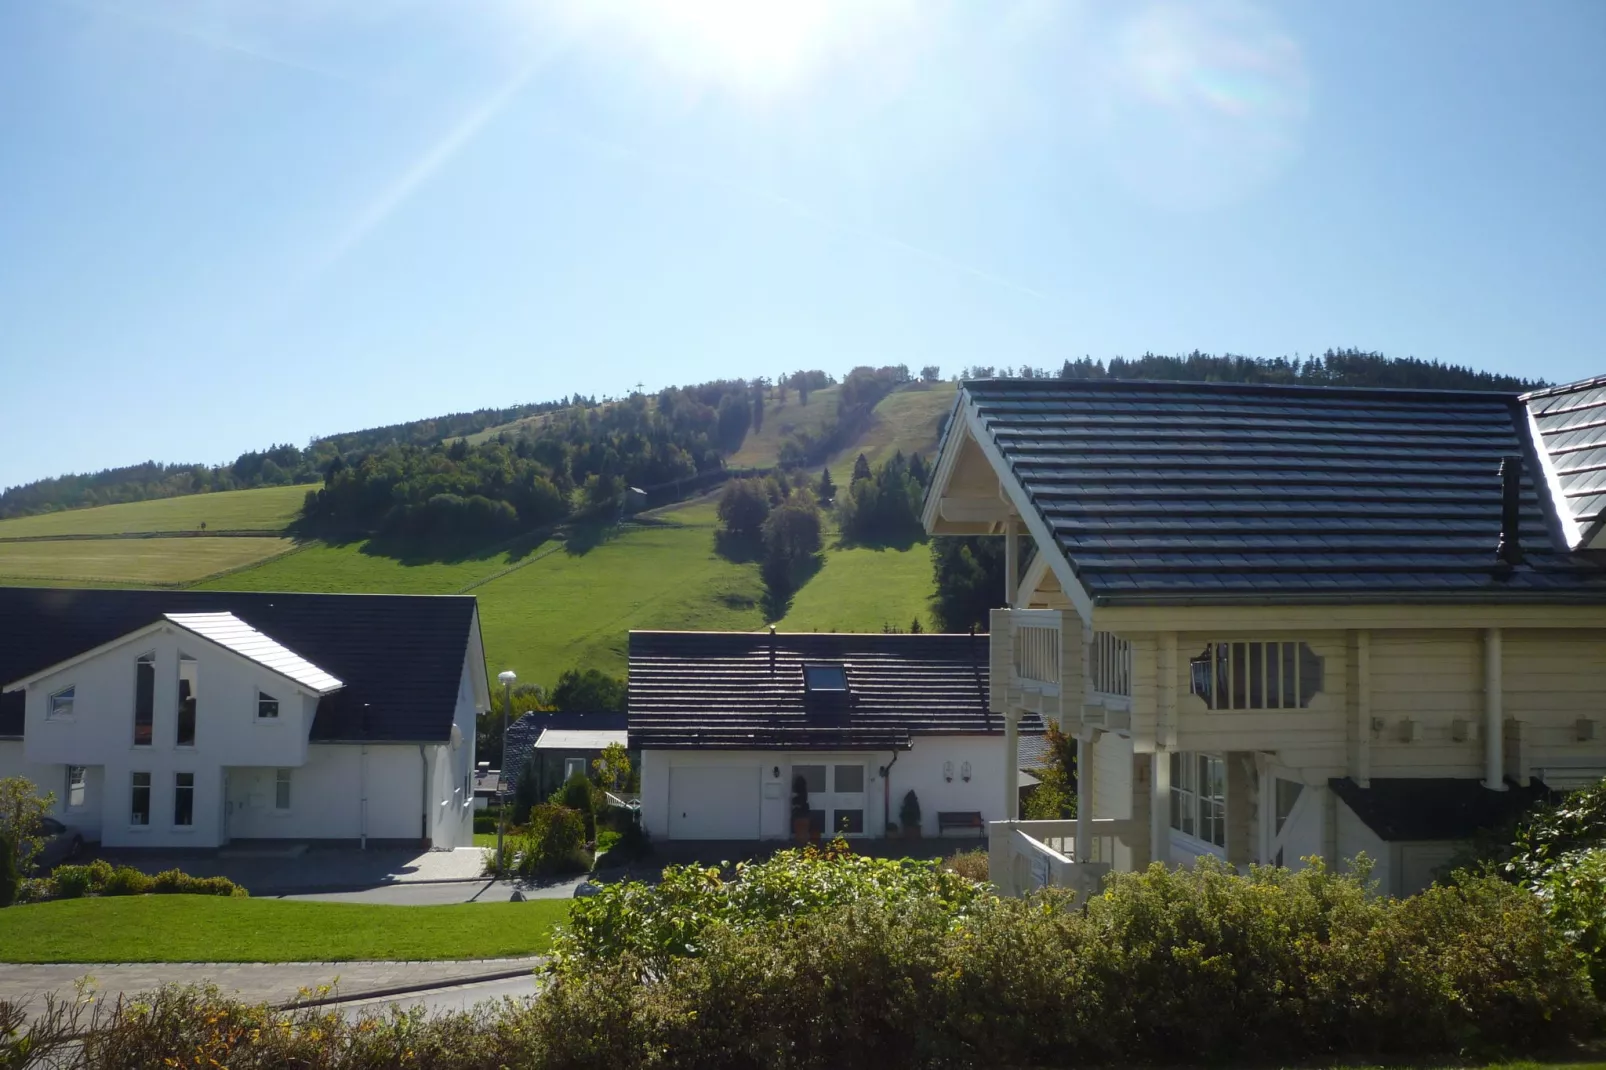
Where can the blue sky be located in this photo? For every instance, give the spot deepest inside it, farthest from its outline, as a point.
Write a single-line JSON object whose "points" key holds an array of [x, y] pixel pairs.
{"points": [[230, 223]]}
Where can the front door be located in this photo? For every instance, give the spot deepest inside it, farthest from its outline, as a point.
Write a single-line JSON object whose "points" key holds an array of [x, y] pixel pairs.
{"points": [[838, 801]]}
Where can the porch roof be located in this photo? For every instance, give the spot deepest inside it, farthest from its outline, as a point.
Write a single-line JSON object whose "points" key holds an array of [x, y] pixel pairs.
{"points": [[1171, 492], [1410, 809]]}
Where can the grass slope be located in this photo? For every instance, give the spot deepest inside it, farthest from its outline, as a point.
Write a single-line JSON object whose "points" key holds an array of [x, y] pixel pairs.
{"points": [[575, 608], [906, 419], [262, 509], [860, 589], [132, 561], [196, 928], [351, 568], [762, 448]]}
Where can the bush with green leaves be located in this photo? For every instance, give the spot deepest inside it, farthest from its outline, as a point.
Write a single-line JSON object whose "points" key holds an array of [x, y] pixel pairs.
{"points": [[1573, 890], [579, 795], [661, 922], [101, 878], [553, 842]]}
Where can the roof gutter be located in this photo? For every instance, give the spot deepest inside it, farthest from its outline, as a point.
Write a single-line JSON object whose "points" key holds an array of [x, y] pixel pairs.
{"points": [[1350, 598]]}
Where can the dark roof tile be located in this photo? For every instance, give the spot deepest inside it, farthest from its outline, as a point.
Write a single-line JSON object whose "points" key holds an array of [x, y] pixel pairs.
{"points": [[401, 657]]}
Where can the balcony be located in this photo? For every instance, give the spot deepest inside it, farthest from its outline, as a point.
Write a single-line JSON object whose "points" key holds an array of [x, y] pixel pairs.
{"points": [[1036, 662], [1026, 856]]}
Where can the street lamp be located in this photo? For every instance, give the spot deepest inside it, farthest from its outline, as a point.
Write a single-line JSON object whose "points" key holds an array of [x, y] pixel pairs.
{"points": [[506, 679]]}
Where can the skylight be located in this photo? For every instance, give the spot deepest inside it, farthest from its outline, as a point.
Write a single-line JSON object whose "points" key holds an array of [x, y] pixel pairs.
{"points": [[825, 678]]}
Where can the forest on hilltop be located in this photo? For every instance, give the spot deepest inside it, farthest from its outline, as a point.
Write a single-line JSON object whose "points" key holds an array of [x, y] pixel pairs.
{"points": [[585, 452]]}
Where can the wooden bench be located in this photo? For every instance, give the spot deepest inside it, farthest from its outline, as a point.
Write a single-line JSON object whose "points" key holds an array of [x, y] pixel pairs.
{"points": [[960, 819]]}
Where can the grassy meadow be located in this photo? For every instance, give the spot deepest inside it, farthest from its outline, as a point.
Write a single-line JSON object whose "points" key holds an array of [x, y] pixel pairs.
{"points": [[153, 562], [263, 509]]}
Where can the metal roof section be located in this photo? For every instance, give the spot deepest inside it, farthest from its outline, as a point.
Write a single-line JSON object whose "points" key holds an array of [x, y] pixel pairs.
{"points": [[578, 739], [1201, 493], [1415, 810], [742, 690], [1569, 423], [232, 633]]}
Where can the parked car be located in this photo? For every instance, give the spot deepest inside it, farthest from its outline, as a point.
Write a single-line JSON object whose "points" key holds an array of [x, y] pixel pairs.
{"points": [[62, 842]]}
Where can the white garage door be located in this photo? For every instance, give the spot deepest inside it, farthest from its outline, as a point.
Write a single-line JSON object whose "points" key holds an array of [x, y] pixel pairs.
{"points": [[713, 803]]}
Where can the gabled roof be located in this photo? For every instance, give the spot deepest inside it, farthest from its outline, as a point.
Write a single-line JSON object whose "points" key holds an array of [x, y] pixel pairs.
{"points": [[522, 734], [401, 657], [745, 690], [1169, 492], [1411, 809], [232, 633], [1571, 423]]}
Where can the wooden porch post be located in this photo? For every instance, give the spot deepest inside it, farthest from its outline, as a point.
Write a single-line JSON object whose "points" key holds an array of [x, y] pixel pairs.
{"points": [[1084, 796], [1240, 808], [1160, 806], [1012, 764]]}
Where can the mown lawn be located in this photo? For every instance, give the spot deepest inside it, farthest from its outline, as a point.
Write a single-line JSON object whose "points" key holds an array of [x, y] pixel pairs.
{"points": [[262, 509], [196, 928], [132, 561]]}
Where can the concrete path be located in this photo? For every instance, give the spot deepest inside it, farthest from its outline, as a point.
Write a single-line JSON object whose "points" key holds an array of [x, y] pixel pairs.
{"points": [[254, 982], [416, 893]]}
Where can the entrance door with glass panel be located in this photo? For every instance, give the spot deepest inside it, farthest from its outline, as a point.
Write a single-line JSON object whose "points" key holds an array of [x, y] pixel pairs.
{"points": [[837, 797]]}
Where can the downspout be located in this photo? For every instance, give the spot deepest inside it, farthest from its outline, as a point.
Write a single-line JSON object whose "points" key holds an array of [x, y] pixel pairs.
{"points": [[886, 793], [362, 796], [1494, 743], [423, 784]]}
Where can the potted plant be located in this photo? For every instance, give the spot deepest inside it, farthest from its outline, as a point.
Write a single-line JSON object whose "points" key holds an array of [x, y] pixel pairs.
{"points": [[800, 810], [910, 813]]}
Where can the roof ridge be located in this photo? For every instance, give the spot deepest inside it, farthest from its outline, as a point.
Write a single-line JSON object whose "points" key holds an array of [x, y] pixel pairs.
{"points": [[1429, 393]]}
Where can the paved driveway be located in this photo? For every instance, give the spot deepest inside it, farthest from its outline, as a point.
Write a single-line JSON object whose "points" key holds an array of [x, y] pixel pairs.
{"points": [[292, 868]]}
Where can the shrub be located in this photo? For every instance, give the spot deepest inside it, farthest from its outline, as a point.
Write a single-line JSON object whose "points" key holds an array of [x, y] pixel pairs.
{"points": [[10, 871], [484, 822], [72, 882], [1573, 891], [177, 882], [910, 812], [972, 865], [126, 880], [577, 796], [99, 878], [661, 922], [608, 839], [553, 842]]}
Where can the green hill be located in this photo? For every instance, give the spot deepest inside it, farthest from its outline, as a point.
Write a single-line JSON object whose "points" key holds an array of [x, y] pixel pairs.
{"points": [[545, 606]]}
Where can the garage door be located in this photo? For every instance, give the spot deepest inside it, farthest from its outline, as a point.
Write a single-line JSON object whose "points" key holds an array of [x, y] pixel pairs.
{"points": [[713, 803]]}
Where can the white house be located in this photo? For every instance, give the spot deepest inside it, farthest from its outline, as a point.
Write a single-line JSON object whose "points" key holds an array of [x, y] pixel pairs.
{"points": [[728, 722], [192, 719], [1286, 622]]}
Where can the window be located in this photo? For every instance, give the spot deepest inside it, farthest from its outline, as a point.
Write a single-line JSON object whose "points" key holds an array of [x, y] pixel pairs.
{"points": [[573, 767], [813, 777], [189, 681], [1288, 792], [1199, 796], [139, 809], [61, 704], [144, 698], [849, 778], [183, 800], [267, 706], [849, 822], [1256, 676], [825, 678], [77, 787], [281, 789]]}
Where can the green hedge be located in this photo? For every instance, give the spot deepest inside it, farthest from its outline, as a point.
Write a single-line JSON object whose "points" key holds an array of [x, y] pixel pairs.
{"points": [[102, 878]]}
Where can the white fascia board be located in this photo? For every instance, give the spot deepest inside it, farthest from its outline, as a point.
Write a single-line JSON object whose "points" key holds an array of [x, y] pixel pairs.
{"points": [[1571, 530], [1032, 579], [953, 444], [94, 652], [479, 680], [1047, 545]]}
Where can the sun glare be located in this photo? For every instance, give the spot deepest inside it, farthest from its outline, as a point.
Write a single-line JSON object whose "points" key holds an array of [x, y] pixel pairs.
{"points": [[763, 47]]}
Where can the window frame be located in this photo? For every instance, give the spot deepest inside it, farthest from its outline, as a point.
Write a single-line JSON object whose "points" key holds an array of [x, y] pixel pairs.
{"points": [[82, 786], [569, 770], [1199, 797], [263, 699], [146, 659], [1257, 675], [194, 700], [838, 671], [70, 693], [134, 788], [179, 788]]}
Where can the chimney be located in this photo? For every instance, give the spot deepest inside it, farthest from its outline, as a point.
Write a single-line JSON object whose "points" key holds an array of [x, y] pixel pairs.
{"points": [[1509, 551]]}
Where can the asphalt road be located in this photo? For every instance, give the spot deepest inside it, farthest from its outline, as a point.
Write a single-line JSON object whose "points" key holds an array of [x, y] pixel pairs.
{"points": [[434, 894], [453, 998]]}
